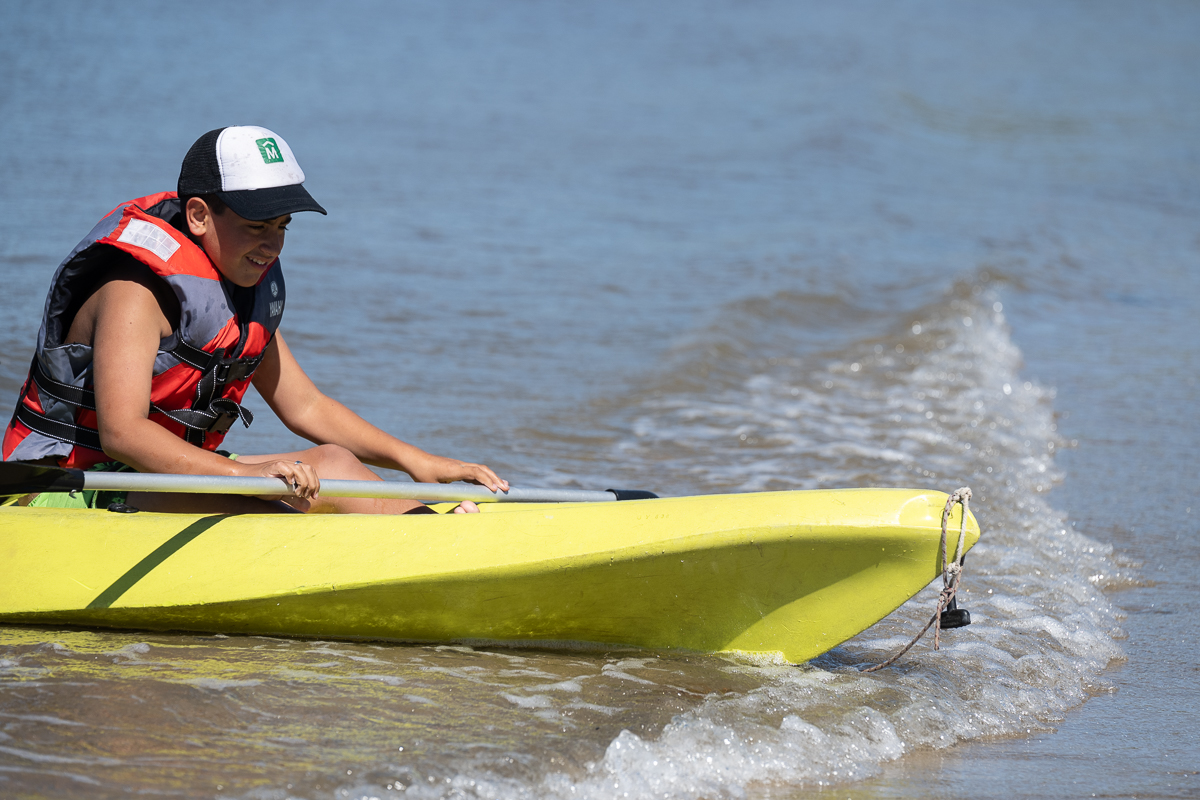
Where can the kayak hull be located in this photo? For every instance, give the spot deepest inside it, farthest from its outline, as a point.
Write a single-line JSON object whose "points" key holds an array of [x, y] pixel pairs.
{"points": [[793, 573]]}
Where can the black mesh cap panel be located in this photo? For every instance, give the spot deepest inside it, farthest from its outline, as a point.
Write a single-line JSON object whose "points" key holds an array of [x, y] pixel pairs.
{"points": [[200, 173]]}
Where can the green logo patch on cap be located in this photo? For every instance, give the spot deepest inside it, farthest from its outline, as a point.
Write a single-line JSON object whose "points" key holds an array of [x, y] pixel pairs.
{"points": [[270, 150]]}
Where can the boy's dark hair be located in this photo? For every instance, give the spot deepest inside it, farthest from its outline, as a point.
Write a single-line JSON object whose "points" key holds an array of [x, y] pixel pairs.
{"points": [[215, 204], [179, 221]]}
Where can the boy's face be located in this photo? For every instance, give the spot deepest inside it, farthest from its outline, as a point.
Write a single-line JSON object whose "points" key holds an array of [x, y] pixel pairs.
{"points": [[242, 249]]}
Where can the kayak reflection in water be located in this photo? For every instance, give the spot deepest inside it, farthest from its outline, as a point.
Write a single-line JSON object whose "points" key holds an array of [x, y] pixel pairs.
{"points": [[158, 322]]}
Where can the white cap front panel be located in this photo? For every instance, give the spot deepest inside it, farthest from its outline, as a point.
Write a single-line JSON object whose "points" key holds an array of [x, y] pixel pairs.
{"points": [[251, 157]]}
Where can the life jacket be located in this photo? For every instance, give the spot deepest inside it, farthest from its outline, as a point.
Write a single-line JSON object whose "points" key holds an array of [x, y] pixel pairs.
{"points": [[201, 371]]}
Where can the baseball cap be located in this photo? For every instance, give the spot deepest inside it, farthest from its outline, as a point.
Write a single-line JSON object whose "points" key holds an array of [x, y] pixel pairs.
{"points": [[251, 169]]}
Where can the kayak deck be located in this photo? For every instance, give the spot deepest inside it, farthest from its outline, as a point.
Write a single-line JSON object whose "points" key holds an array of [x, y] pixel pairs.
{"points": [[794, 573]]}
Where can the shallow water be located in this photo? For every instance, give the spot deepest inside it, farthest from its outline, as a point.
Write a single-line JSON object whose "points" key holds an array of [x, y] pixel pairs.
{"points": [[694, 248]]}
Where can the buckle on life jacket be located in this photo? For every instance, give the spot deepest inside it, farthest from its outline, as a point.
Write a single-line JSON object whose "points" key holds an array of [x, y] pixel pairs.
{"points": [[222, 423], [230, 371], [227, 412]]}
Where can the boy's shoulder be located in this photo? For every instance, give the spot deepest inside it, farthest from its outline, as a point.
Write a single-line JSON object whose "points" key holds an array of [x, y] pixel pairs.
{"points": [[126, 290]]}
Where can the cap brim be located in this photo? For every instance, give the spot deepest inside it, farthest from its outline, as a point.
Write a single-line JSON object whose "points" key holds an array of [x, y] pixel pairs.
{"points": [[277, 201]]}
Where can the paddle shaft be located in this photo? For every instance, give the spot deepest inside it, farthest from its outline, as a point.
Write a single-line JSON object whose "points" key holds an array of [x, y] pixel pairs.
{"points": [[212, 484], [22, 478]]}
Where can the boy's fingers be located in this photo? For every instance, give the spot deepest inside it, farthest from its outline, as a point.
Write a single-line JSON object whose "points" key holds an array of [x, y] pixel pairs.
{"points": [[301, 477], [485, 476]]}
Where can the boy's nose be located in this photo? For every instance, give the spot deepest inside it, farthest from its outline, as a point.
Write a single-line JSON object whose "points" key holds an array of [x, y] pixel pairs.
{"points": [[274, 244]]}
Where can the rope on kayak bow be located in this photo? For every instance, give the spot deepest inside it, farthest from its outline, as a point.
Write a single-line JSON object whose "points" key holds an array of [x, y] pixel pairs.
{"points": [[951, 575]]}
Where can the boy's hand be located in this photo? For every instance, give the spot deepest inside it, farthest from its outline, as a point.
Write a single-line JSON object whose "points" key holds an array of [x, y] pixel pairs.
{"points": [[300, 476], [438, 469]]}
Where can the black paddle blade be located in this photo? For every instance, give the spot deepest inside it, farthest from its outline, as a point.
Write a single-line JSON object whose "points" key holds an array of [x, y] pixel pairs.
{"points": [[633, 494], [18, 477]]}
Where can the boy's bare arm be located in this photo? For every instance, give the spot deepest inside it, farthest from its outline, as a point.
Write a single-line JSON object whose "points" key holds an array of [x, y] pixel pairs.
{"points": [[128, 325], [308, 412]]}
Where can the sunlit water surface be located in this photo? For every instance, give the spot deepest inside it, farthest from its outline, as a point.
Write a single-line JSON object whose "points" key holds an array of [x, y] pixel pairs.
{"points": [[694, 248]]}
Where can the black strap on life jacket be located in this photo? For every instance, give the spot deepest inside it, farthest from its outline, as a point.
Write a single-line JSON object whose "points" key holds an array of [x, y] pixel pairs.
{"points": [[56, 429], [210, 413]]}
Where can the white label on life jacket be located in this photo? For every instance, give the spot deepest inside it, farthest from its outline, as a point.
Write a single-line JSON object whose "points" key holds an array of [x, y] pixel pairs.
{"points": [[140, 233]]}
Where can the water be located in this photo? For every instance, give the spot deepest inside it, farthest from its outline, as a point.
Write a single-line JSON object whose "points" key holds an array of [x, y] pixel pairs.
{"points": [[694, 248]]}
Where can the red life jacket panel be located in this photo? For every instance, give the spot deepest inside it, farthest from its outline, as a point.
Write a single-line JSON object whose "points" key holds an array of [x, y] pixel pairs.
{"points": [[201, 371]]}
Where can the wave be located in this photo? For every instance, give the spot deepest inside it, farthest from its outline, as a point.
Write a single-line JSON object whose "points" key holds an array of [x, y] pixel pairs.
{"points": [[800, 391]]}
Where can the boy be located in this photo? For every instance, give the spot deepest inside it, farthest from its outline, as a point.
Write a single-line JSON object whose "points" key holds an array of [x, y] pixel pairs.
{"points": [[158, 321]]}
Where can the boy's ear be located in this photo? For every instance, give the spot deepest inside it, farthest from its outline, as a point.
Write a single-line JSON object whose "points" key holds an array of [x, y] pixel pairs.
{"points": [[198, 216]]}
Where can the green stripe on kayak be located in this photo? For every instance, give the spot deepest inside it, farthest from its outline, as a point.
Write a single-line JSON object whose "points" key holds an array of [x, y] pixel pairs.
{"points": [[147, 564]]}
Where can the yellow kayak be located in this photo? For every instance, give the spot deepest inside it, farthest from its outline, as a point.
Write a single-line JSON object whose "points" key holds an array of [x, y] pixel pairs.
{"points": [[793, 573]]}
